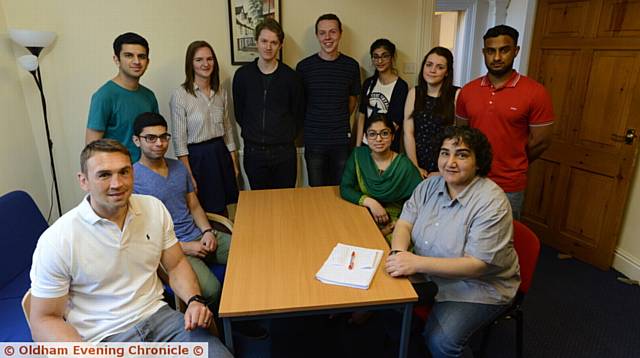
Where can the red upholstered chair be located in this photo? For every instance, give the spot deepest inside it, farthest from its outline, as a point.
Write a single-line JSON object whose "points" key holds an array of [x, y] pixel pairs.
{"points": [[527, 247], [422, 311]]}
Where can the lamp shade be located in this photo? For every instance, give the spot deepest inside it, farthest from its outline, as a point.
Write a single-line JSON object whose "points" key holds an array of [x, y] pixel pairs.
{"points": [[31, 38], [28, 62]]}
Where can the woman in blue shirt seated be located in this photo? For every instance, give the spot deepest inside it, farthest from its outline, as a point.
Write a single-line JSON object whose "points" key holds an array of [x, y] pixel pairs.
{"points": [[461, 227]]}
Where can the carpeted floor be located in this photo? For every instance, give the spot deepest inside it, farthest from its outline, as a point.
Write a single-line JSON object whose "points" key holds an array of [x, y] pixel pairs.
{"points": [[572, 310], [576, 310]]}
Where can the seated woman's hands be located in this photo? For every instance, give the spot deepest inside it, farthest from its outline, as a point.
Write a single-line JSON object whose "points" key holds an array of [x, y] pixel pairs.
{"points": [[423, 173], [388, 229], [401, 264], [378, 212], [426, 174]]}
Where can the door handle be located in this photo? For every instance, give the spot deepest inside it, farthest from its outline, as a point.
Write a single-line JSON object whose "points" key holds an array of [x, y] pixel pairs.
{"points": [[627, 138]]}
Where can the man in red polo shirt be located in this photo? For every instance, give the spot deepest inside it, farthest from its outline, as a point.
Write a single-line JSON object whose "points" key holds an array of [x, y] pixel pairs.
{"points": [[512, 110]]}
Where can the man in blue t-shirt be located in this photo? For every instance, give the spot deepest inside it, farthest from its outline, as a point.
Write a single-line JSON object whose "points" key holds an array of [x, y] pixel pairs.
{"points": [[118, 102], [168, 180], [332, 84]]}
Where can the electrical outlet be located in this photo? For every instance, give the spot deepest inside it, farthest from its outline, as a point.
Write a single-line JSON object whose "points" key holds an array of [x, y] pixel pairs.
{"points": [[409, 67]]}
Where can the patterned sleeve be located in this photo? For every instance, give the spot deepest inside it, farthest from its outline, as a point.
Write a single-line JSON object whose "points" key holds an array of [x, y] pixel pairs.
{"points": [[355, 81], [229, 138], [179, 122]]}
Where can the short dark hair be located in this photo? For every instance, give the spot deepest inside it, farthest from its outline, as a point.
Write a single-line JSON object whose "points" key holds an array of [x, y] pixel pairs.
{"points": [[148, 119], [380, 117], [329, 17], [271, 25], [104, 145], [502, 30], [477, 143], [130, 38]]}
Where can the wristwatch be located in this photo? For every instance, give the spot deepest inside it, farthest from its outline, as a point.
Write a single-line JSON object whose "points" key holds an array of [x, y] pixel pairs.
{"points": [[211, 230], [197, 298]]}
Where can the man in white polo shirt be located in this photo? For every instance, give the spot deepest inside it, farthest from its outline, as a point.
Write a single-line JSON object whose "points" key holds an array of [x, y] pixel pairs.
{"points": [[94, 277]]}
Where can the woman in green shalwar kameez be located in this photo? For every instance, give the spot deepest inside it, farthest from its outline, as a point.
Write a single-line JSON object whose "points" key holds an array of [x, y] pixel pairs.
{"points": [[377, 177]]}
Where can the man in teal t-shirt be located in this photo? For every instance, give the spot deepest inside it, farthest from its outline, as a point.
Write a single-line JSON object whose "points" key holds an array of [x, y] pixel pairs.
{"points": [[118, 102]]}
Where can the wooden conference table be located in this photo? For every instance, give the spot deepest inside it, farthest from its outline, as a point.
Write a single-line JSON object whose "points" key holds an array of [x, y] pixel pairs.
{"points": [[281, 238]]}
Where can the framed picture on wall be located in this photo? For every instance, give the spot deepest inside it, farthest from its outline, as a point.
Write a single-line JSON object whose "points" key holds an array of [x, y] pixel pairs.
{"points": [[244, 15]]}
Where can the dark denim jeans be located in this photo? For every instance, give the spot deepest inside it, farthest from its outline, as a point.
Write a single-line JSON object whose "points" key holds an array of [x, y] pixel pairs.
{"points": [[326, 163], [270, 166], [451, 324]]}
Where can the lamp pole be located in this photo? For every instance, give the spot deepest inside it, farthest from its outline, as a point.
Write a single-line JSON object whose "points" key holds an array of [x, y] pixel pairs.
{"points": [[35, 41], [38, 78]]}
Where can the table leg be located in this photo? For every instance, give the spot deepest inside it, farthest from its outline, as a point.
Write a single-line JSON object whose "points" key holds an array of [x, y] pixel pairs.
{"points": [[405, 332], [228, 335]]}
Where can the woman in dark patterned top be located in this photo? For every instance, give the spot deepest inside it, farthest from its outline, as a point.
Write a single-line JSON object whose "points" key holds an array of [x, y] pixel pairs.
{"points": [[429, 108]]}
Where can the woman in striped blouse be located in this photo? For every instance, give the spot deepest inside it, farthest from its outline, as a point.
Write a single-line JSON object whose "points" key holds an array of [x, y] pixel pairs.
{"points": [[203, 137]]}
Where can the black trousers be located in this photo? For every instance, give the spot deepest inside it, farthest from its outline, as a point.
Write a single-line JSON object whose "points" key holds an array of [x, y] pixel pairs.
{"points": [[270, 166], [325, 164]]}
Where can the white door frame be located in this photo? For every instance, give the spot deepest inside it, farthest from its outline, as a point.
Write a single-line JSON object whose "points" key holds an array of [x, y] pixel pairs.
{"points": [[465, 37]]}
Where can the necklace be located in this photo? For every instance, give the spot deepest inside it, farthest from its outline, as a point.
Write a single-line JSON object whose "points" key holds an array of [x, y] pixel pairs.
{"points": [[383, 164]]}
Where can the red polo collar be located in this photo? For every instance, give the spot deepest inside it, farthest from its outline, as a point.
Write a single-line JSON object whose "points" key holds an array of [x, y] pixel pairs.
{"points": [[513, 80]]}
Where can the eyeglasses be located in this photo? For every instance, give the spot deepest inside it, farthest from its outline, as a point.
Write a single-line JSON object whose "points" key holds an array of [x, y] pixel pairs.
{"points": [[384, 134], [384, 57], [152, 138]]}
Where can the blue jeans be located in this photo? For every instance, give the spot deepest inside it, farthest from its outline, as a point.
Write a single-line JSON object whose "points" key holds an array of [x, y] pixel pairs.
{"points": [[167, 325], [516, 199], [451, 324], [326, 163]]}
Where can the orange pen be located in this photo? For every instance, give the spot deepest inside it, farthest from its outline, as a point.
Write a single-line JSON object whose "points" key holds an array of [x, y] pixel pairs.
{"points": [[353, 258]]}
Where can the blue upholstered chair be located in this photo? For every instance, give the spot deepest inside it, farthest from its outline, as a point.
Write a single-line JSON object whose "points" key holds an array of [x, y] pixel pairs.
{"points": [[21, 224]]}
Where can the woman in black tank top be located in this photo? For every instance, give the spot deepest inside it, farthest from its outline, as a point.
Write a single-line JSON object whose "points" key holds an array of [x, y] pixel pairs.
{"points": [[429, 108]]}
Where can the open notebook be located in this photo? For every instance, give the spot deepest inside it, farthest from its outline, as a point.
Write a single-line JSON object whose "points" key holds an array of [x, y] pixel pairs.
{"points": [[350, 266]]}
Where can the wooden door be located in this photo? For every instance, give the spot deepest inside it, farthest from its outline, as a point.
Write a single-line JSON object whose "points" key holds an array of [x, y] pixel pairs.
{"points": [[587, 54]]}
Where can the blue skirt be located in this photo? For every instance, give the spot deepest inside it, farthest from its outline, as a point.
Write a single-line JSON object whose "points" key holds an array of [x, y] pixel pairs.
{"points": [[212, 169]]}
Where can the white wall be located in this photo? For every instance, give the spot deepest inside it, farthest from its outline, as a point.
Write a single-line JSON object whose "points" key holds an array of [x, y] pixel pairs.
{"points": [[19, 162], [521, 15], [80, 60], [627, 257]]}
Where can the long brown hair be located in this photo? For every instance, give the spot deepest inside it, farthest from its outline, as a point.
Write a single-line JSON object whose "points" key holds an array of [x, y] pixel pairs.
{"points": [[445, 105], [189, 71]]}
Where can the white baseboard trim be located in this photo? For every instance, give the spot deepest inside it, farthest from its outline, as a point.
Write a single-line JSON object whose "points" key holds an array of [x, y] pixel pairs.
{"points": [[627, 264]]}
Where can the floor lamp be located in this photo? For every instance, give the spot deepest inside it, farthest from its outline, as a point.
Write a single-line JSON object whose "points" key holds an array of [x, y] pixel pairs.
{"points": [[35, 41]]}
